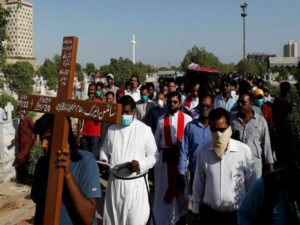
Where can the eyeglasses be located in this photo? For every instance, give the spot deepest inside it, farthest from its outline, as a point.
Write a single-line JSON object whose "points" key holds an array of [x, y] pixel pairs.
{"points": [[213, 129], [133, 80]]}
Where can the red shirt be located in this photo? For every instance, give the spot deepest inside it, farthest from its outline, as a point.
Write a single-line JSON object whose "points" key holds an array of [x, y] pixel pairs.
{"points": [[267, 113], [92, 127]]}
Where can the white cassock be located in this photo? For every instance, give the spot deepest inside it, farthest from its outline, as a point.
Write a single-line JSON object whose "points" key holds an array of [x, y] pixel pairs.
{"points": [[167, 214], [126, 201]]}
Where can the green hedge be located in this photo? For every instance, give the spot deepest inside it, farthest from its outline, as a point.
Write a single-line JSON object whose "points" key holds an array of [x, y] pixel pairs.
{"points": [[35, 153]]}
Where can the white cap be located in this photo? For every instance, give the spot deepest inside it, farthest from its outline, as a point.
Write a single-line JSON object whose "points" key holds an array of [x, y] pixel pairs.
{"points": [[110, 75]]}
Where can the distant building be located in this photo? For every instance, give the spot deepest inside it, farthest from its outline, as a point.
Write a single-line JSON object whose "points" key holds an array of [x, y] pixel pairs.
{"points": [[260, 58], [290, 49], [20, 31], [167, 73], [284, 62]]}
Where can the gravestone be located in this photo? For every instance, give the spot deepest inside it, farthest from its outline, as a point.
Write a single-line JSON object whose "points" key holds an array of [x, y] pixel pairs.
{"points": [[9, 108], [64, 106], [8, 129]]}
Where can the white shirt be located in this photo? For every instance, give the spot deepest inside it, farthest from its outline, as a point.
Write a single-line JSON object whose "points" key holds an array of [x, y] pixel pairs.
{"points": [[222, 184], [2, 114], [160, 134], [135, 95], [194, 102]]}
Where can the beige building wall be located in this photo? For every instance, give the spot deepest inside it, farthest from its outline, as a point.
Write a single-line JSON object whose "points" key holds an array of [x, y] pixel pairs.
{"points": [[20, 31], [290, 49]]}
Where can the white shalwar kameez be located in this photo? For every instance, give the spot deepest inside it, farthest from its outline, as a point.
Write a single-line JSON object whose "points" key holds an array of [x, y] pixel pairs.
{"points": [[126, 201]]}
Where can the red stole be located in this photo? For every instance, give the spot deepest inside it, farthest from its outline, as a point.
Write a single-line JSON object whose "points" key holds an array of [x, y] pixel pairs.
{"points": [[172, 190], [188, 101], [167, 128]]}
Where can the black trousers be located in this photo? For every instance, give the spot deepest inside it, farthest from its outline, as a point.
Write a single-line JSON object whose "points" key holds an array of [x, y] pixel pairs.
{"points": [[209, 216]]}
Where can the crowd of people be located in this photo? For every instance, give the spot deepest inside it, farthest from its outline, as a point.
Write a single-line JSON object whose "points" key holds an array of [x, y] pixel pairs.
{"points": [[221, 149]]}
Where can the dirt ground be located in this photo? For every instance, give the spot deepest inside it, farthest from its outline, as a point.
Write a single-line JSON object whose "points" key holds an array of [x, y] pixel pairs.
{"points": [[17, 208]]}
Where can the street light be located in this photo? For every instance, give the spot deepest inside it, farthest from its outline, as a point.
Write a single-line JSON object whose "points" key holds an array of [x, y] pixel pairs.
{"points": [[243, 15]]}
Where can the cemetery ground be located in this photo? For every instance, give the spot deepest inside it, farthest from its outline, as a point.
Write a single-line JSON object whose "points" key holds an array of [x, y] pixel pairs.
{"points": [[17, 208]]}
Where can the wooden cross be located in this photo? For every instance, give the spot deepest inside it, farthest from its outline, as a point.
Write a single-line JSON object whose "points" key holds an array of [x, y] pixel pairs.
{"points": [[64, 106]]}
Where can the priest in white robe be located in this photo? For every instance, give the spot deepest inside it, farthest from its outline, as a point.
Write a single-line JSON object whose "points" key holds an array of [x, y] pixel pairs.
{"points": [[131, 144], [170, 204]]}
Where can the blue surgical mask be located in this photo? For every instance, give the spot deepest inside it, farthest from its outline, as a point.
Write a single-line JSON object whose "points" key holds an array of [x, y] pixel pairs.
{"points": [[98, 94], [126, 120], [144, 98], [259, 102]]}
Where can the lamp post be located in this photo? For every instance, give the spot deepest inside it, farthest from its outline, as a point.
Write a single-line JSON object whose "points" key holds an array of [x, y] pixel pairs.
{"points": [[243, 15]]}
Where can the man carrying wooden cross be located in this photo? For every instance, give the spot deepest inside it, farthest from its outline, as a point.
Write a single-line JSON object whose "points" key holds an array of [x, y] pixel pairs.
{"points": [[63, 107], [81, 178]]}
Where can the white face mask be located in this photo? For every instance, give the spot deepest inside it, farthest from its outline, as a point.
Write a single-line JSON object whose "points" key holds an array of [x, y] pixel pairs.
{"points": [[160, 103], [220, 141]]}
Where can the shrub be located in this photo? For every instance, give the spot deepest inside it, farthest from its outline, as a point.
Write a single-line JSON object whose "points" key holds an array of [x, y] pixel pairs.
{"points": [[35, 153]]}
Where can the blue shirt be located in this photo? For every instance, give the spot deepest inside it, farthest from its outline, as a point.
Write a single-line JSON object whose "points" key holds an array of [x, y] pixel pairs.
{"points": [[86, 174], [220, 102], [252, 204], [194, 138]]}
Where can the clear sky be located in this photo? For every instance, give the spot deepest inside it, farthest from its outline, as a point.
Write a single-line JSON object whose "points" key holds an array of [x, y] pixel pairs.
{"points": [[165, 29]]}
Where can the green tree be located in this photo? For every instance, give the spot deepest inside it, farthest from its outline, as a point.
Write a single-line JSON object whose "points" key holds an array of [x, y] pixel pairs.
{"points": [[4, 14], [227, 68], [56, 59], [123, 69], [19, 76], [79, 72], [244, 66], [90, 68], [201, 57], [49, 71]]}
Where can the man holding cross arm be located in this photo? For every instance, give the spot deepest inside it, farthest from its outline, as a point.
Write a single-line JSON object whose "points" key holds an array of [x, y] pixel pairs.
{"points": [[81, 178]]}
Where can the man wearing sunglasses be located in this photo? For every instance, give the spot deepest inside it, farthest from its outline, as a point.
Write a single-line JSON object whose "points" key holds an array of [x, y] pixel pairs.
{"points": [[252, 129], [169, 205], [224, 173]]}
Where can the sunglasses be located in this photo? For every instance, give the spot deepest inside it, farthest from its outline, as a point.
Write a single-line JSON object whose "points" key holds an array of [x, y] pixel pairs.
{"points": [[174, 102], [212, 129]]}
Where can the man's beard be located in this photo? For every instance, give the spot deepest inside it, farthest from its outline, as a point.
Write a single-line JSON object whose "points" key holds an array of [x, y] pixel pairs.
{"points": [[172, 111]]}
